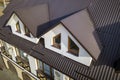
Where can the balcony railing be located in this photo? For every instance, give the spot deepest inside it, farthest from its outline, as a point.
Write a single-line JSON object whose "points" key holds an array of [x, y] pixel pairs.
{"points": [[24, 70], [42, 76], [23, 63], [5, 52]]}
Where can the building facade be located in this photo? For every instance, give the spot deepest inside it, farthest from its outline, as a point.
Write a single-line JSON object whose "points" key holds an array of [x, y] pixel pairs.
{"points": [[28, 67], [39, 40], [57, 39]]}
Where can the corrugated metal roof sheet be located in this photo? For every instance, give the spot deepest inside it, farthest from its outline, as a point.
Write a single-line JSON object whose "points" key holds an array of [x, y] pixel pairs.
{"points": [[105, 15], [55, 11], [106, 18], [34, 16]]}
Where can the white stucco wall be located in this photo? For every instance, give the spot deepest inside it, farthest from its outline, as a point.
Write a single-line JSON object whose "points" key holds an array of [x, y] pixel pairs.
{"points": [[83, 57], [58, 75], [33, 64], [12, 22], [10, 49]]}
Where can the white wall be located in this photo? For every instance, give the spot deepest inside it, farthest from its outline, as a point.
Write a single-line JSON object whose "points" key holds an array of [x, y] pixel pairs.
{"points": [[10, 49], [33, 64], [58, 75], [12, 22], [83, 57]]}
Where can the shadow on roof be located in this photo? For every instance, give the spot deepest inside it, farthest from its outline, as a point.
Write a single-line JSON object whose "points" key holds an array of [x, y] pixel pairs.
{"points": [[42, 29], [109, 36]]}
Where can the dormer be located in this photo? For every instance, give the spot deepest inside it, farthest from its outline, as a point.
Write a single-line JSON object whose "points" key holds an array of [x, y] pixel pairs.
{"points": [[81, 26], [41, 21], [75, 38], [25, 22], [20, 29]]}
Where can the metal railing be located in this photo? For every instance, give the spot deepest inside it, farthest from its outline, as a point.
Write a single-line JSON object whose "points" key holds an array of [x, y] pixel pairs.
{"points": [[24, 70]]}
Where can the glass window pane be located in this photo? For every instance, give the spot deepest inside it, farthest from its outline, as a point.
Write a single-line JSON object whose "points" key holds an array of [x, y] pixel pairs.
{"points": [[23, 55], [27, 32], [40, 65], [46, 69], [52, 72], [72, 47], [57, 41], [57, 75], [18, 27]]}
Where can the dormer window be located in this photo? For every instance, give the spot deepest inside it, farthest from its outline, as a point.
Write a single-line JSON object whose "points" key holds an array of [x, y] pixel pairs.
{"points": [[72, 47], [42, 41], [27, 32], [18, 27], [57, 41]]}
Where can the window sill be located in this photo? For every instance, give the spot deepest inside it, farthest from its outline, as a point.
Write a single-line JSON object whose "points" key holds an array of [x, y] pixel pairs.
{"points": [[18, 31], [56, 46], [73, 52], [27, 34]]}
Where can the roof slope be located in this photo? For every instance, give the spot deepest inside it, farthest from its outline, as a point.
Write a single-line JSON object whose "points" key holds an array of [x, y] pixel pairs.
{"points": [[41, 15], [47, 56], [34, 16], [57, 9], [106, 18], [82, 28]]}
